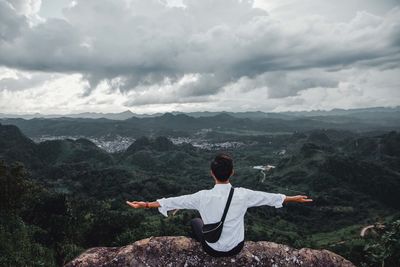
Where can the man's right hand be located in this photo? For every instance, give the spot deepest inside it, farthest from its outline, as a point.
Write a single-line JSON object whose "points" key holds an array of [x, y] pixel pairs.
{"points": [[298, 199], [137, 204]]}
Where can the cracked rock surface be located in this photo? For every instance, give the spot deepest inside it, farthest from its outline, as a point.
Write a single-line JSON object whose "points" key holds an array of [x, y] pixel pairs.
{"points": [[184, 251]]}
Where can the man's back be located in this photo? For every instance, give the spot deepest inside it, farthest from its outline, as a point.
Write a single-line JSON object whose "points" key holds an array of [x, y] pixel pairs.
{"points": [[211, 203]]}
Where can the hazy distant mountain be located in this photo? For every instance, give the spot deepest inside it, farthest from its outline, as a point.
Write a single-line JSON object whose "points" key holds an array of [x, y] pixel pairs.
{"points": [[22, 116], [86, 115], [184, 125], [343, 112], [246, 114], [128, 114], [377, 112]]}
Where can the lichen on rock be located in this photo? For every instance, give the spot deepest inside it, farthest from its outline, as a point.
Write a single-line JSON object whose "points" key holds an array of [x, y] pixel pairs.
{"points": [[183, 251]]}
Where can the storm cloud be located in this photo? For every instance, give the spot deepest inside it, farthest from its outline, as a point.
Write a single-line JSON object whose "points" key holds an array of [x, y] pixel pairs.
{"points": [[194, 51]]}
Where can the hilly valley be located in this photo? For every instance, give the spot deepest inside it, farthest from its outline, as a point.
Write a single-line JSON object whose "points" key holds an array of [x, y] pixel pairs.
{"points": [[64, 194]]}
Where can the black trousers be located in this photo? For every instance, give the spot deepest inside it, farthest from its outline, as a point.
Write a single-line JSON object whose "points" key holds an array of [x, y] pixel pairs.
{"points": [[197, 225]]}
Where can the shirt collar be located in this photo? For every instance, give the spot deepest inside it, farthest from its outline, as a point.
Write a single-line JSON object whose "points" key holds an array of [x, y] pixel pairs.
{"points": [[223, 185]]}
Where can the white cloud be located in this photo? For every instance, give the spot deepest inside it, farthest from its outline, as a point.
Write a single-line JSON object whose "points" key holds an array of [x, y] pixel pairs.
{"points": [[26, 7], [141, 53]]}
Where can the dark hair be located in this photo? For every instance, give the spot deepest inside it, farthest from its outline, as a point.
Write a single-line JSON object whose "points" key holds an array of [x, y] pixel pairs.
{"points": [[222, 167]]}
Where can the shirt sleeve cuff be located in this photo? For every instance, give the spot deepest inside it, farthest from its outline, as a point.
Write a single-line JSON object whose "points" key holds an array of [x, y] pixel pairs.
{"points": [[162, 209], [279, 202]]}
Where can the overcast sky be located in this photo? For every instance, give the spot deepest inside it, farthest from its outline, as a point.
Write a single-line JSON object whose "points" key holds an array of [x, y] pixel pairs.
{"points": [[64, 56]]}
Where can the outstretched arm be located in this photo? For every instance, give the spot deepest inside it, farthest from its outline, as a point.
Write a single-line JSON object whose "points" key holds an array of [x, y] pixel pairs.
{"points": [[259, 198], [141, 204], [165, 204], [298, 199]]}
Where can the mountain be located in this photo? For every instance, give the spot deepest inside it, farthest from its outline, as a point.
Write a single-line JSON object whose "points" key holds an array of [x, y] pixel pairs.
{"points": [[358, 112], [344, 112], [86, 115], [353, 178], [72, 151], [15, 146], [93, 115], [158, 144], [76, 165], [247, 114], [366, 165], [183, 125]]}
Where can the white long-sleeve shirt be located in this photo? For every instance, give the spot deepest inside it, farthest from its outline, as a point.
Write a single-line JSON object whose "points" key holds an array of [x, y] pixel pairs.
{"points": [[211, 204]]}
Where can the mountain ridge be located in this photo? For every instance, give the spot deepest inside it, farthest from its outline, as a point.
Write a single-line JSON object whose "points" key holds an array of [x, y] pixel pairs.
{"points": [[178, 125], [244, 114]]}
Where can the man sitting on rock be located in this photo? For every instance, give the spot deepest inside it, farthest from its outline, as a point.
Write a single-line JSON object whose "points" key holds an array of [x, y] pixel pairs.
{"points": [[214, 203]]}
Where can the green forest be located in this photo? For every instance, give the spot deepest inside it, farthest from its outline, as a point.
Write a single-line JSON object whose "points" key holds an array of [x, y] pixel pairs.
{"points": [[60, 197]]}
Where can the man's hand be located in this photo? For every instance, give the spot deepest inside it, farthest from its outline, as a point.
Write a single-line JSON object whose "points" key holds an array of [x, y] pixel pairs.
{"points": [[137, 204], [298, 199], [141, 204]]}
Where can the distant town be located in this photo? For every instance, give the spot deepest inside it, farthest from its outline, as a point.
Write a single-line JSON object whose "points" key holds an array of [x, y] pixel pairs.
{"points": [[121, 143]]}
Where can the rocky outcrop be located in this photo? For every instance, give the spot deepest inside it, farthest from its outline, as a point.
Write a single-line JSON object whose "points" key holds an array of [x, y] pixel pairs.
{"points": [[183, 251]]}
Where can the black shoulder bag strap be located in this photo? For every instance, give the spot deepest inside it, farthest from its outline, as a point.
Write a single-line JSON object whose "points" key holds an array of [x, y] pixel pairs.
{"points": [[212, 231], [228, 203]]}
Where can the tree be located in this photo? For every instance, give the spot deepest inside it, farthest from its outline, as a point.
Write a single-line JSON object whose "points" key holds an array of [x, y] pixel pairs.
{"points": [[385, 249], [13, 187]]}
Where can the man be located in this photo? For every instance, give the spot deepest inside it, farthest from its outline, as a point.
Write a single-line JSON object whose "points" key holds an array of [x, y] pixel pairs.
{"points": [[211, 204]]}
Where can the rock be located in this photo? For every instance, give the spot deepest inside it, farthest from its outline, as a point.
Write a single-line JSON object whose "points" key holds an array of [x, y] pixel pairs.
{"points": [[184, 251]]}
